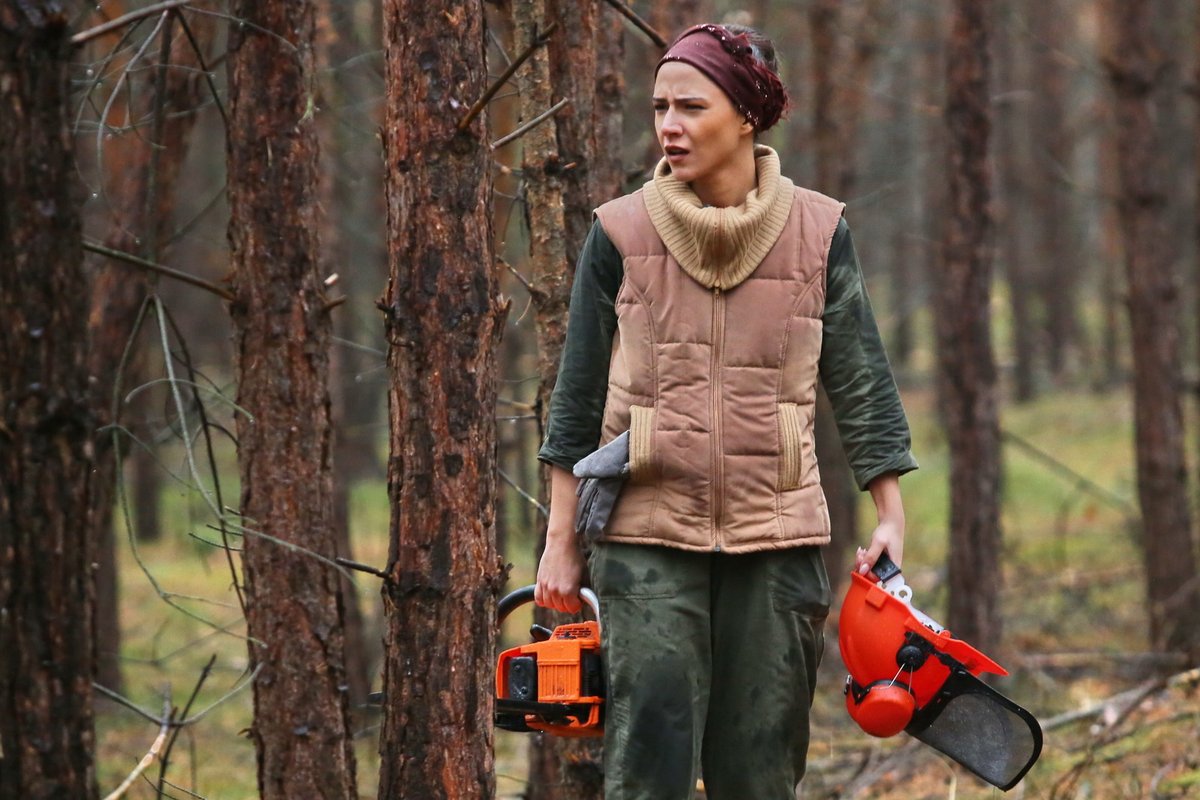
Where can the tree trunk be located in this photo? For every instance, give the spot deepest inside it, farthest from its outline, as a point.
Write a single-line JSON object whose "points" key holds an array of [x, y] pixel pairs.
{"points": [[352, 192], [1059, 269], [301, 727], [1173, 586], [443, 322], [570, 167], [1013, 134], [966, 369], [46, 427]]}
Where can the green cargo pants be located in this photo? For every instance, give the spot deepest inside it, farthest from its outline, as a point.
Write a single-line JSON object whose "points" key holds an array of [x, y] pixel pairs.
{"points": [[712, 659]]}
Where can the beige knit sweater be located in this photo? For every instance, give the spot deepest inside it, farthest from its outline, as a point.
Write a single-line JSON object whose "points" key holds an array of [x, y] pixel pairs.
{"points": [[720, 247]]}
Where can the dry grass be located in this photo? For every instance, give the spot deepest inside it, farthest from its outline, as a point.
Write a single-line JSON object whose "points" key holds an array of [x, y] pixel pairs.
{"points": [[1073, 584]]}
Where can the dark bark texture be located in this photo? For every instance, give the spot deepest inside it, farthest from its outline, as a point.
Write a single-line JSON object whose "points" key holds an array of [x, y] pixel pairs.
{"points": [[966, 365], [46, 587], [353, 247], [443, 323], [570, 167], [1173, 587], [301, 725]]}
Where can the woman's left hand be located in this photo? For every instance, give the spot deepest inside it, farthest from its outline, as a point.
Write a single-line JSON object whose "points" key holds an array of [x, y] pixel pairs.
{"points": [[887, 537]]}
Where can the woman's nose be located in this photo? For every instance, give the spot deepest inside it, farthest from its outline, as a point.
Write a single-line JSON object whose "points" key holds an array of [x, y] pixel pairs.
{"points": [[670, 123]]}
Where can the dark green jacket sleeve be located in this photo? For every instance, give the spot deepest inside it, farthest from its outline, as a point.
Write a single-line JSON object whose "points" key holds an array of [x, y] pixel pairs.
{"points": [[577, 403], [856, 374]]}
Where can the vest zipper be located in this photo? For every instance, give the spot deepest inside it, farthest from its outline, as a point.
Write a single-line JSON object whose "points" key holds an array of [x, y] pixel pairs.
{"points": [[718, 498]]}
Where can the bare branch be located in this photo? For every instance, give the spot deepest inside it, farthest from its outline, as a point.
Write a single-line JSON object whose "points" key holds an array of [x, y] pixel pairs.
{"points": [[166, 757], [533, 123], [147, 759], [504, 78], [533, 501], [179, 275], [133, 16], [639, 23], [345, 562]]}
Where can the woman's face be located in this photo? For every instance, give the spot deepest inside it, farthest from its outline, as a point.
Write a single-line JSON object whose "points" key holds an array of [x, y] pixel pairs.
{"points": [[698, 128]]}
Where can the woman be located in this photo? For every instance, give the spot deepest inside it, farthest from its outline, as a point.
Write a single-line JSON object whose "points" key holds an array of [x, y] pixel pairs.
{"points": [[705, 307]]}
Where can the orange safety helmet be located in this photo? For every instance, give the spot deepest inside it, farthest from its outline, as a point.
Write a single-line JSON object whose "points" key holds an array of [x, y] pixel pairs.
{"points": [[908, 673]]}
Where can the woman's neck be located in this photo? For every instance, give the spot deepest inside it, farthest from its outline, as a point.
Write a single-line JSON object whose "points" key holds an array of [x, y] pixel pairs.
{"points": [[729, 186]]}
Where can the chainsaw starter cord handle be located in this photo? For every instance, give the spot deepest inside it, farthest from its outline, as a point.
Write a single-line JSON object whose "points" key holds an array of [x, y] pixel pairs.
{"points": [[520, 597]]}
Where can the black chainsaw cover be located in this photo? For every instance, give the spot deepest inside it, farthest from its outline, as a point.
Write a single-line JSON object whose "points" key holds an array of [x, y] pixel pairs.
{"points": [[979, 728]]}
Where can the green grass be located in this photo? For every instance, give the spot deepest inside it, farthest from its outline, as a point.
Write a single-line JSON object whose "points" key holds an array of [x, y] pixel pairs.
{"points": [[1072, 582]]}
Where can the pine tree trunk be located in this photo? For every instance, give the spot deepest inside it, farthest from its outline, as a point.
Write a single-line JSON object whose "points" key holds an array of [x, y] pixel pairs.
{"points": [[301, 726], [46, 423], [352, 199], [1052, 201], [443, 322], [1013, 134], [570, 167], [1173, 585], [966, 368]]}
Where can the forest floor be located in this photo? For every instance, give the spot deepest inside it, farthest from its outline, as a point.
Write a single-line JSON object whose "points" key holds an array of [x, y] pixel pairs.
{"points": [[1075, 635]]}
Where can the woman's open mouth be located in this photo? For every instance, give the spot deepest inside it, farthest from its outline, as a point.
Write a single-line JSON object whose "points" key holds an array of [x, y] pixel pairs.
{"points": [[674, 153]]}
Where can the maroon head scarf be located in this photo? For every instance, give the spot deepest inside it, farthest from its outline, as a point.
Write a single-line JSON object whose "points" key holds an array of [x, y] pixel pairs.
{"points": [[728, 60]]}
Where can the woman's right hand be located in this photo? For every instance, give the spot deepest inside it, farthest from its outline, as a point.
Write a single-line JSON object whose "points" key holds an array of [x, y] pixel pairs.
{"points": [[560, 573], [561, 570]]}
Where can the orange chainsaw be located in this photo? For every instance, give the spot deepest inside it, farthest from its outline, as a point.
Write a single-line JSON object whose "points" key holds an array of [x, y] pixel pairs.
{"points": [[556, 682]]}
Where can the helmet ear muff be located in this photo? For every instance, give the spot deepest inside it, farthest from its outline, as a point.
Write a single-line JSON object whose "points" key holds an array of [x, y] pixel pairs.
{"points": [[883, 708]]}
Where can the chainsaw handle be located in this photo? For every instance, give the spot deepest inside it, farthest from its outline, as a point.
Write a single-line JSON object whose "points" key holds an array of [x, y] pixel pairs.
{"points": [[520, 597]]}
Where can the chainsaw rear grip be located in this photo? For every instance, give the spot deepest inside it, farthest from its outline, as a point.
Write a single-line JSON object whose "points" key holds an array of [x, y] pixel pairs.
{"points": [[525, 594]]}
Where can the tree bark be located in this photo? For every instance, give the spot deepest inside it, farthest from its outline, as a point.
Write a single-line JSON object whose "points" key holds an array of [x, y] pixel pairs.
{"points": [[1059, 271], [46, 586], [966, 367], [1013, 139], [443, 322], [301, 726], [1173, 586], [570, 167], [352, 233]]}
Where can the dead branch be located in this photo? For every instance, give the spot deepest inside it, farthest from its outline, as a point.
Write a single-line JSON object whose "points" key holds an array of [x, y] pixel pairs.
{"points": [[639, 23], [533, 501], [147, 759], [367, 568], [179, 275], [1088, 660], [479, 104], [533, 123], [133, 16], [1081, 481], [166, 757], [1065, 785], [1125, 700]]}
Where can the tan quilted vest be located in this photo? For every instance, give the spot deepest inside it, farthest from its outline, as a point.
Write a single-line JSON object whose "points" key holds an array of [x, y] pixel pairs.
{"points": [[718, 387]]}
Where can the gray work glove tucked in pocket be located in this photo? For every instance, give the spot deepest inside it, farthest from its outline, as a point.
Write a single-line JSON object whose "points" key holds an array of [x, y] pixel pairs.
{"points": [[602, 474]]}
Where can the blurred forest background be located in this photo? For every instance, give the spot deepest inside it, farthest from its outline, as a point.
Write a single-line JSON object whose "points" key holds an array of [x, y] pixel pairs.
{"points": [[1021, 179]]}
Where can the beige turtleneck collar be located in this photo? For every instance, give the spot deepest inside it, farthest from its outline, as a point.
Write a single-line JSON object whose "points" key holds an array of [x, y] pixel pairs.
{"points": [[720, 247]]}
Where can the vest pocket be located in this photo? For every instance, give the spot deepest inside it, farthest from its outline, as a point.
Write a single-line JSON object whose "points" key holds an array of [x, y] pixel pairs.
{"points": [[791, 433], [641, 438]]}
